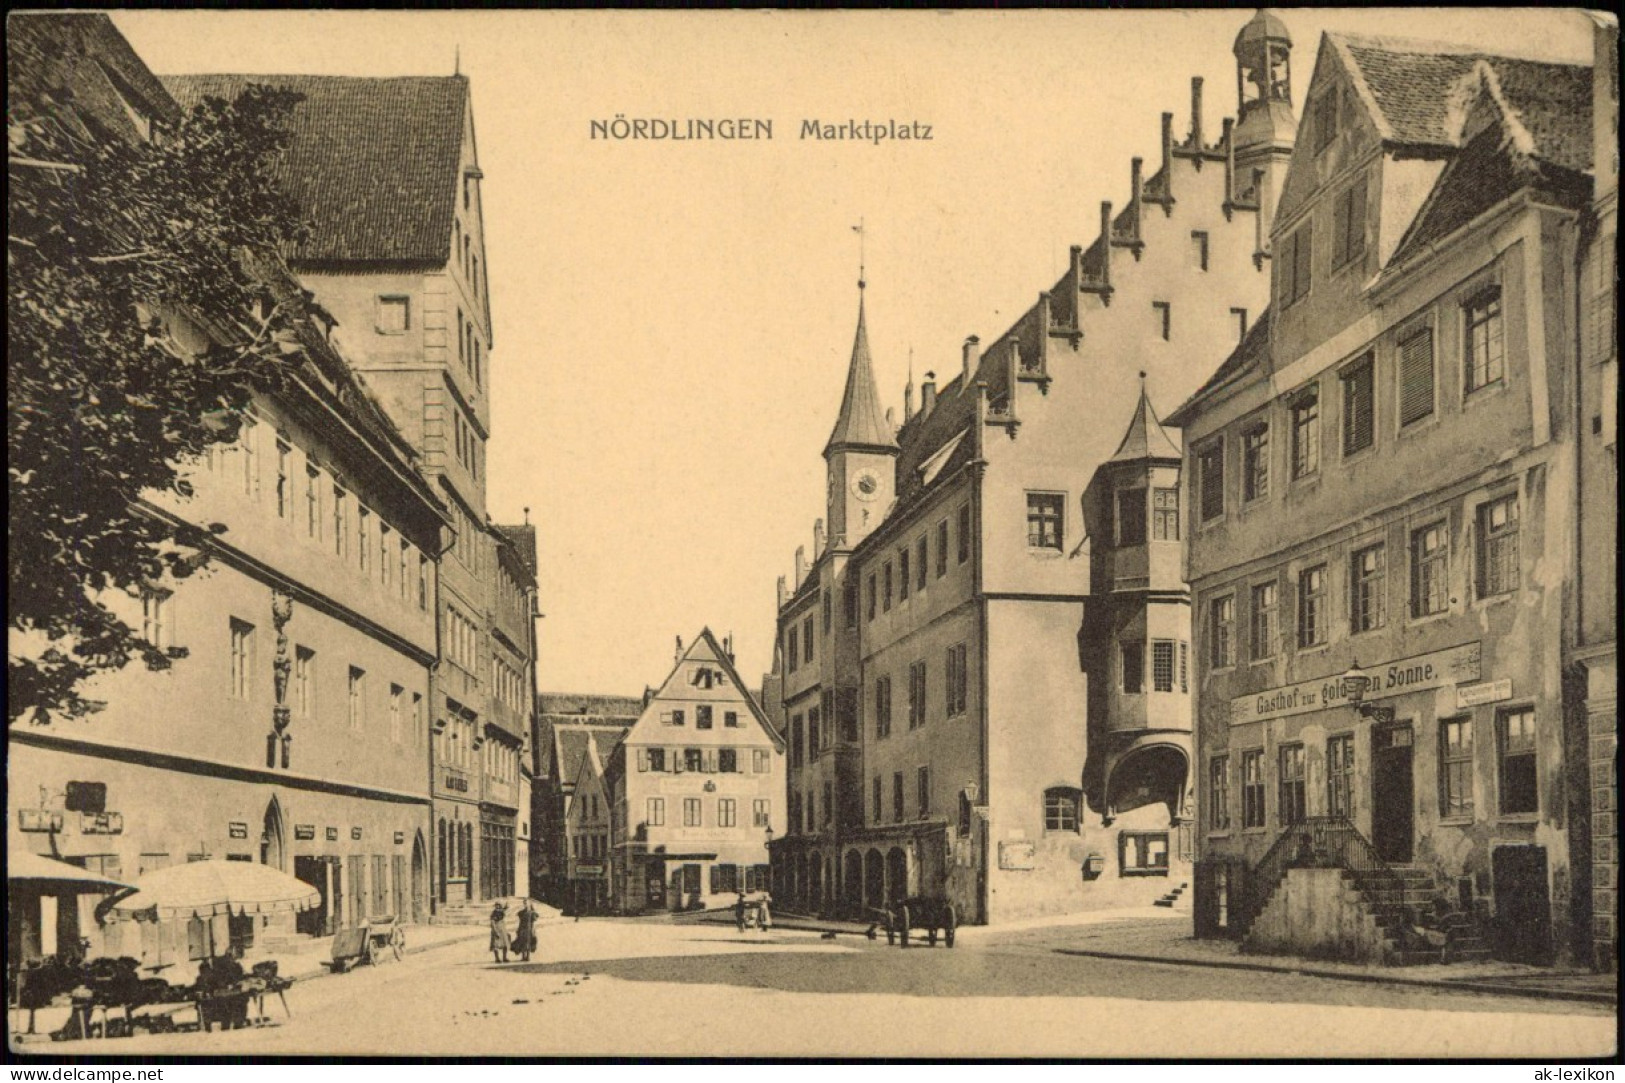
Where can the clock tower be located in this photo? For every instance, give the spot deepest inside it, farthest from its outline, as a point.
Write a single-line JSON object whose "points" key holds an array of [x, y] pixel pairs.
{"points": [[861, 453]]}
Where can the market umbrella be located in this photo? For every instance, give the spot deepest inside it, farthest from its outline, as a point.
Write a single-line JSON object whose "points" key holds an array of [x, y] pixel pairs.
{"points": [[48, 876], [203, 889]]}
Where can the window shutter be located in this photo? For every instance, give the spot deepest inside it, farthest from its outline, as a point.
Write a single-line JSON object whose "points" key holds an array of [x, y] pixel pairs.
{"points": [[677, 761], [643, 759], [716, 879], [1358, 393], [1416, 377], [711, 761]]}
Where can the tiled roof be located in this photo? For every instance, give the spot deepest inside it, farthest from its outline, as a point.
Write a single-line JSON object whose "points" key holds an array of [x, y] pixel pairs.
{"points": [[1484, 174], [373, 162], [573, 707], [572, 745], [1417, 88], [1145, 438], [523, 539], [861, 421], [91, 61]]}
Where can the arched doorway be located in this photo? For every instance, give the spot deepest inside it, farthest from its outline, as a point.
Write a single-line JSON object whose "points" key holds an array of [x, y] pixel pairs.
{"points": [[852, 883], [420, 886], [874, 879], [896, 874], [272, 849], [1147, 775]]}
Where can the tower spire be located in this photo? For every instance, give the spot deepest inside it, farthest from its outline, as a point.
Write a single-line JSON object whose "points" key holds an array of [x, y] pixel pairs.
{"points": [[861, 422]]}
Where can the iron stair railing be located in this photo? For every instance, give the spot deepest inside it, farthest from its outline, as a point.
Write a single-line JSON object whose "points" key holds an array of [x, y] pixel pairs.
{"points": [[1321, 842]]}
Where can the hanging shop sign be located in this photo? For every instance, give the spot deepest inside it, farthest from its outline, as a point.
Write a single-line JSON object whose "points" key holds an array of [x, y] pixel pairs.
{"points": [[38, 819], [1418, 673]]}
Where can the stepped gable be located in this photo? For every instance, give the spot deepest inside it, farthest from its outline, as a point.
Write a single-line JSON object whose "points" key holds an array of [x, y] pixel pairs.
{"points": [[373, 162], [1252, 351], [925, 435]]}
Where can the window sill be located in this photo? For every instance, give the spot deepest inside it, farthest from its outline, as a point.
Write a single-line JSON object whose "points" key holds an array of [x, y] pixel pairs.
{"points": [[1492, 390], [1314, 648], [1221, 834], [1455, 821], [1428, 618], [1364, 453], [1517, 817], [1489, 601], [1143, 872], [1425, 423]]}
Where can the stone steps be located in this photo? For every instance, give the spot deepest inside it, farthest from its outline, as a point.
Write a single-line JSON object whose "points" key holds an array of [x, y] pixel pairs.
{"points": [[1168, 900]]}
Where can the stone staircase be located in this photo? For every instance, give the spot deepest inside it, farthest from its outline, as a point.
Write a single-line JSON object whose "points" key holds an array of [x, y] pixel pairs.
{"points": [[1171, 899]]}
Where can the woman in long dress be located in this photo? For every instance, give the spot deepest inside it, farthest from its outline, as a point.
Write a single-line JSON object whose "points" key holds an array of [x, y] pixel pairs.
{"points": [[499, 934], [524, 941]]}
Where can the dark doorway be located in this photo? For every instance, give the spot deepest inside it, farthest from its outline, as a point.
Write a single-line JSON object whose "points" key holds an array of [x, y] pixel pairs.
{"points": [[1523, 909], [655, 885], [1393, 794], [313, 871]]}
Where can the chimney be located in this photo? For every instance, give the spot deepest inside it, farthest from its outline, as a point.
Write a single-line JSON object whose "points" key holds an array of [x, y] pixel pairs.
{"points": [[801, 565], [818, 538], [783, 594], [971, 357], [928, 394], [1196, 112], [891, 418]]}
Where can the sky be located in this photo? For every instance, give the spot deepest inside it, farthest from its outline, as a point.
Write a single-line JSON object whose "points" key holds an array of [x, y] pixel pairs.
{"points": [[672, 321]]}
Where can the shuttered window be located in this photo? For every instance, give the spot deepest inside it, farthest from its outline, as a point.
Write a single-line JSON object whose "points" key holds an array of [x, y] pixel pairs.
{"points": [[1296, 263], [1210, 479], [1348, 224], [1359, 414], [1416, 377]]}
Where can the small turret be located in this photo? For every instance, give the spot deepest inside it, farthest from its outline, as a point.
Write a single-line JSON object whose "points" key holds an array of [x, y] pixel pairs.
{"points": [[1265, 126]]}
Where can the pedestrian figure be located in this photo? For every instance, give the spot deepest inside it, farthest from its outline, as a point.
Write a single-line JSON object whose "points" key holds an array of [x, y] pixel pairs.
{"points": [[499, 933], [740, 912], [524, 941], [764, 915]]}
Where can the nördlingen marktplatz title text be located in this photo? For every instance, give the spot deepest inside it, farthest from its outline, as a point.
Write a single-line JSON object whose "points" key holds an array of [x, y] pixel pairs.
{"points": [[659, 129]]}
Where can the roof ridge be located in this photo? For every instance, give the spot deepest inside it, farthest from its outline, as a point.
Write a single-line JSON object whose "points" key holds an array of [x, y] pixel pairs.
{"points": [[1394, 43]]}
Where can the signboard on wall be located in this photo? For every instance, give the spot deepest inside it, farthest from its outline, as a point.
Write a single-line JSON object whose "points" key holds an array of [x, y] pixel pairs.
{"points": [[1418, 673], [400, 837], [304, 832], [237, 830], [332, 834], [1017, 855]]}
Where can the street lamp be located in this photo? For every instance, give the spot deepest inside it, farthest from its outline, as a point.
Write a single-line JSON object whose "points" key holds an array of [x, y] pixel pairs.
{"points": [[1355, 684]]}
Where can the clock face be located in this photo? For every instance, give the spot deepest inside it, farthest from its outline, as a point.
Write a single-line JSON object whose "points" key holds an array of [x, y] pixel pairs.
{"points": [[866, 485]]}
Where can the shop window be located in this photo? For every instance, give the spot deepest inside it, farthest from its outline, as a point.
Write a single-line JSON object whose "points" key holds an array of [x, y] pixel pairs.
{"points": [[1143, 853]]}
